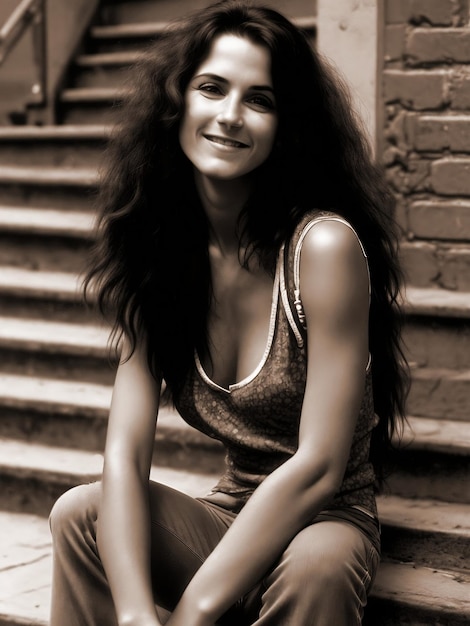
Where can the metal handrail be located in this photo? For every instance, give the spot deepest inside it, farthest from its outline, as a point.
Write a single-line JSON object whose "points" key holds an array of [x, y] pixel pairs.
{"points": [[29, 13], [25, 13]]}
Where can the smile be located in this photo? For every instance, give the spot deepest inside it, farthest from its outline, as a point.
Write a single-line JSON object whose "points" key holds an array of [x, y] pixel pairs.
{"points": [[225, 141]]}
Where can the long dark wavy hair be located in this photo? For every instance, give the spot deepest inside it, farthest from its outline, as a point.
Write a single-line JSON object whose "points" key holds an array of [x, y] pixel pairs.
{"points": [[150, 265]]}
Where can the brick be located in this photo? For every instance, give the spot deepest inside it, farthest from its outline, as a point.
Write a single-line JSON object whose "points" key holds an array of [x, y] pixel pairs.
{"points": [[438, 45], [436, 133], [417, 89], [420, 263], [397, 11], [460, 89], [455, 268], [437, 12], [411, 177], [440, 220], [394, 42], [451, 177]]}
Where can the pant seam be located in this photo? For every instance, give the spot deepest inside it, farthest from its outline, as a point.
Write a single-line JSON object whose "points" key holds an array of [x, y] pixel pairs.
{"points": [[176, 536]]}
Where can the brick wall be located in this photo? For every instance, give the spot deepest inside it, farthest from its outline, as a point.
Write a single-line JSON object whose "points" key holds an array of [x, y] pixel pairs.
{"points": [[426, 147]]}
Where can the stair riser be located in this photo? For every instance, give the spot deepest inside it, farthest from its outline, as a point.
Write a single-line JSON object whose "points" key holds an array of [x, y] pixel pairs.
{"points": [[124, 44], [446, 266], [447, 399], [48, 196], [438, 343], [433, 475], [443, 550], [184, 450], [45, 253], [62, 366], [102, 76], [61, 153], [89, 113], [141, 11], [391, 613], [50, 308]]}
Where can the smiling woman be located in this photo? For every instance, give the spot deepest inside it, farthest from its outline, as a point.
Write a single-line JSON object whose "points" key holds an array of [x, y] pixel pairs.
{"points": [[230, 119], [247, 257]]}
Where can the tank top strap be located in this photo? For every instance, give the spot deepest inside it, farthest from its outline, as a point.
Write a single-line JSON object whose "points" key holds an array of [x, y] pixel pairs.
{"points": [[289, 261]]}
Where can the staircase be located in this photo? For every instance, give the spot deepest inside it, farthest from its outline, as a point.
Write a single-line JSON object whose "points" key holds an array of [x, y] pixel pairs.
{"points": [[55, 379]]}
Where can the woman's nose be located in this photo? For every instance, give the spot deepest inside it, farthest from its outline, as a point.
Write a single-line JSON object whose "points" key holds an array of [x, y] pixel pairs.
{"points": [[230, 113]]}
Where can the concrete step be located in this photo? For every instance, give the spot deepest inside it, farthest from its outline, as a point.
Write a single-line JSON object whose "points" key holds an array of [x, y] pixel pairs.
{"points": [[404, 594], [91, 105], [407, 592], [55, 296], [437, 264], [123, 37], [440, 393], [141, 11], [437, 328], [53, 146], [432, 461], [48, 187], [55, 349], [71, 414], [40, 238], [105, 69], [425, 532]]}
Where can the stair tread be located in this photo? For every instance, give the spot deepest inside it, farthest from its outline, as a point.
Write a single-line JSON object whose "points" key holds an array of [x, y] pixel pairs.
{"points": [[427, 588], [39, 283], [425, 515], [107, 59], [29, 175], [63, 463], [54, 336], [93, 94], [438, 302], [46, 221], [26, 573], [151, 29], [18, 390], [144, 29], [45, 133], [452, 436]]}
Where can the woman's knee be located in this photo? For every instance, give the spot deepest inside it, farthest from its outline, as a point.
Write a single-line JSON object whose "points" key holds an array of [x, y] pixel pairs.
{"points": [[74, 509]]}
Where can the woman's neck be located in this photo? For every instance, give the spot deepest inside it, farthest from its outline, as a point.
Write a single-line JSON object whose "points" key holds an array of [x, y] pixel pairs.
{"points": [[223, 201]]}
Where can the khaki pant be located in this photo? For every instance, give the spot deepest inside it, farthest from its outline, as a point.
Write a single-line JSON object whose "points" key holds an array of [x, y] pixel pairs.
{"points": [[321, 579]]}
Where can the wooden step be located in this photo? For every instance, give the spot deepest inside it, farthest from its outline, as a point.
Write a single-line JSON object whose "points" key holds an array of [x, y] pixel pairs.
{"points": [[47, 222], [58, 146], [106, 69]]}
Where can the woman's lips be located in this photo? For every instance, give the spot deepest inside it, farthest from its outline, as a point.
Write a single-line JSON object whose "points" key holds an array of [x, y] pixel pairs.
{"points": [[226, 141]]}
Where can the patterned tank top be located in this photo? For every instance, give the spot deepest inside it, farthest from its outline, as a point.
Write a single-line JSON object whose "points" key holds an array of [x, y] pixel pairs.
{"points": [[257, 419]]}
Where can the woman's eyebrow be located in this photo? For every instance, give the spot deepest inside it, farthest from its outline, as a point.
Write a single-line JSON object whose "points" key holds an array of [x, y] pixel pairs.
{"points": [[221, 79]]}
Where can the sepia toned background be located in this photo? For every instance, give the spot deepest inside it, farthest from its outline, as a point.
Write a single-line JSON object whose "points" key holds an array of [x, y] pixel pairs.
{"points": [[63, 65]]}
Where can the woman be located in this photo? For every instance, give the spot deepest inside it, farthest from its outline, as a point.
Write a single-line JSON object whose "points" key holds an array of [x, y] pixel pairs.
{"points": [[240, 216]]}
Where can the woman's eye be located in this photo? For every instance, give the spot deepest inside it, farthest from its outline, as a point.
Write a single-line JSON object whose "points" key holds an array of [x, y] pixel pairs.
{"points": [[262, 102], [210, 88]]}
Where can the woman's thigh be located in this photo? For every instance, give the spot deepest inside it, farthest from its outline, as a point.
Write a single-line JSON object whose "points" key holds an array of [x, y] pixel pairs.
{"points": [[184, 531]]}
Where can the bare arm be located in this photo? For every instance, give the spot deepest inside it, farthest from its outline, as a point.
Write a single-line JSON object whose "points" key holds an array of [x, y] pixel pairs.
{"points": [[124, 521], [334, 287]]}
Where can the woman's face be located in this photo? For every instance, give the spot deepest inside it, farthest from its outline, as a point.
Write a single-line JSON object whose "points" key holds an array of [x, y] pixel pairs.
{"points": [[230, 119]]}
